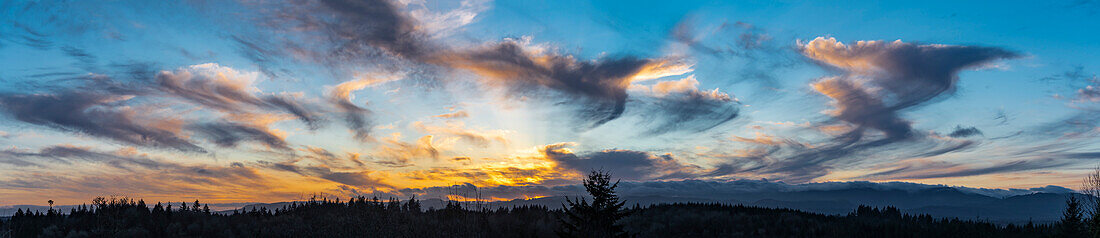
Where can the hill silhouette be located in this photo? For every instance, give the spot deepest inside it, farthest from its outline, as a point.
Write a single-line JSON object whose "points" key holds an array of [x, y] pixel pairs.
{"points": [[940, 202], [362, 217], [600, 214]]}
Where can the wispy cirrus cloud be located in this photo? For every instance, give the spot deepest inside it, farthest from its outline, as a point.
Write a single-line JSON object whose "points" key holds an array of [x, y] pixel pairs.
{"points": [[673, 101], [939, 169], [96, 114], [453, 115], [357, 178], [599, 87], [383, 31], [877, 82], [355, 117], [67, 154], [475, 137], [626, 164], [106, 107], [231, 134], [680, 106], [131, 172], [903, 75], [225, 89]]}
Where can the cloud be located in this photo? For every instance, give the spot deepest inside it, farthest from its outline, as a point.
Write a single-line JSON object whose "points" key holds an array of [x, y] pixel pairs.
{"points": [[910, 73], [86, 59], [68, 154], [358, 179], [493, 175], [395, 153], [626, 164], [458, 129], [855, 105], [453, 115], [949, 147], [878, 81], [137, 174], [759, 55], [1087, 86], [664, 68], [446, 23], [931, 170], [361, 179], [96, 114], [261, 52], [334, 33], [337, 32], [42, 25], [598, 86], [1089, 93], [681, 106], [789, 160], [290, 104], [964, 131], [329, 159], [685, 34], [1082, 125], [102, 106], [373, 23], [355, 117], [225, 89], [213, 86], [230, 134], [749, 38]]}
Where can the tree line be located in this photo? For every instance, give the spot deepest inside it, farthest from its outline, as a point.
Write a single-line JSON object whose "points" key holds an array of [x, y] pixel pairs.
{"points": [[605, 215]]}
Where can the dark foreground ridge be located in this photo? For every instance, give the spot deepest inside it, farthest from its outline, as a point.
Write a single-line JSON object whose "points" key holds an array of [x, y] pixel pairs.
{"points": [[601, 214], [363, 217]]}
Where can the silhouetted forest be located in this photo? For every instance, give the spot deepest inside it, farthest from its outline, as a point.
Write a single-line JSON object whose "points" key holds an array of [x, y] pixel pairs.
{"points": [[603, 216]]}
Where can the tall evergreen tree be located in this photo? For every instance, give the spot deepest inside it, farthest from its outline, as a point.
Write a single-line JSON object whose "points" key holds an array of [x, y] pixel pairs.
{"points": [[599, 218], [158, 209], [1072, 224]]}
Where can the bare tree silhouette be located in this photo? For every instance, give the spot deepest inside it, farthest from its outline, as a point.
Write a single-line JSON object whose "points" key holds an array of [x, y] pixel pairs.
{"points": [[1091, 188]]}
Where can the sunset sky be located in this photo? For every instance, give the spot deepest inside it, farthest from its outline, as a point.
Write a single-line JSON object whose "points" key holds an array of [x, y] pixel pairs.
{"points": [[258, 101]]}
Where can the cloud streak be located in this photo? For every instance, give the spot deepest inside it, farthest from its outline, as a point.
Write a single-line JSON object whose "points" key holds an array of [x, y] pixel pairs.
{"points": [[626, 164], [599, 86], [681, 106], [230, 134], [906, 74], [355, 117], [95, 114], [381, 30], [226, 89]]}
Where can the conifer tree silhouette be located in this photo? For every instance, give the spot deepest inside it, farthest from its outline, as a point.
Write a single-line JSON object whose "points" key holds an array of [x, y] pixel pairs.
{"points": [[1072, 224], [599, 218]]}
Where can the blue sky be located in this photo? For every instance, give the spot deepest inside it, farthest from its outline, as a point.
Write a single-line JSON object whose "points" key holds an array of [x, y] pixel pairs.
{"points": [[266, 101]]}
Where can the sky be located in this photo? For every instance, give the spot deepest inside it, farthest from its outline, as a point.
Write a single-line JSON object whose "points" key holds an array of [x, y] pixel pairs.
{"points": [[265, 101]]}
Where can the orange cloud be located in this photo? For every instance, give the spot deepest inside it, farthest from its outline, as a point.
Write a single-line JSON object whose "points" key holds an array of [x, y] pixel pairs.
{"points": [[395, 153], [760, 138], [457, 129], [453, 115]]}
